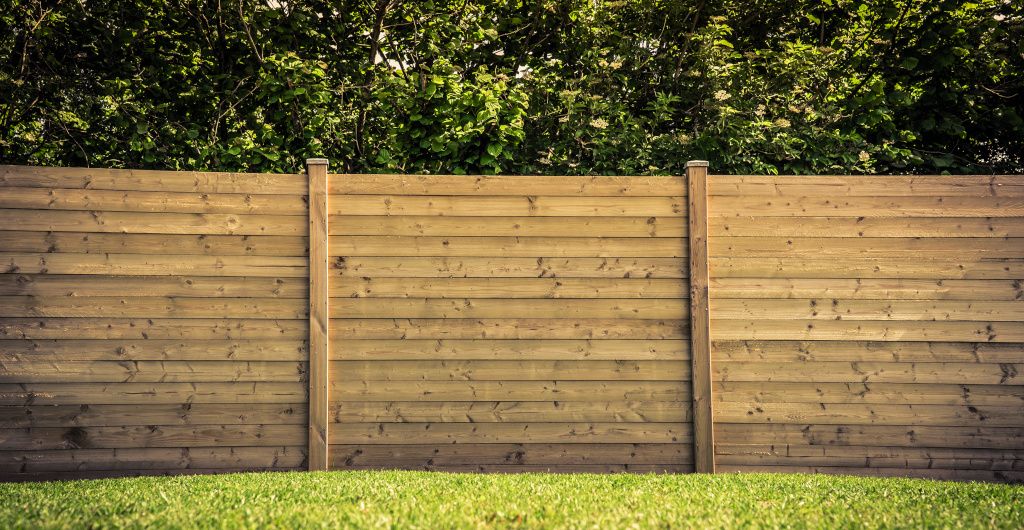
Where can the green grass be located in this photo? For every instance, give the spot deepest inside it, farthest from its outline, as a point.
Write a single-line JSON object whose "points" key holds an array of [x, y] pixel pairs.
{"points": [[438, 500]]}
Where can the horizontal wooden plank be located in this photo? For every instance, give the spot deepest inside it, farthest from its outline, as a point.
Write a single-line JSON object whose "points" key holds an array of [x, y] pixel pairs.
{"points": [[529, 349], [355, 287], [150, 180], [509, 370], [910, 464], [179, 287], [45, 438], [426, 225], [866, 289], [392, 433], [121, 415], [151, 393], [511, 185], [160, 265], [853, 268], [982, 309], [64, 350], [516, 247], [884, 393], [633, 309], [143, 328], [506, 206], [343, 456], [152, 223], [561, 391], [108, 201], [846, 206], [153, 458], [931, 468], [871, 372], [153, 306], [151, 371], [869, 414], [868, 451], [509, 411], [723, 329], [645, 469], [510, 328], [936, 474], [867, 185], [957, 248], [469, 267], [92, 243], [121, 473], [866, 225], [856, 351], [882, 435]]}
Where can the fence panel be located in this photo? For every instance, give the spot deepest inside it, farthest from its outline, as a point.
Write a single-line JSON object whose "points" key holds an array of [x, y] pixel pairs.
{"points": [[159, 322], [151, 322], [869, 325], [509, 323]]}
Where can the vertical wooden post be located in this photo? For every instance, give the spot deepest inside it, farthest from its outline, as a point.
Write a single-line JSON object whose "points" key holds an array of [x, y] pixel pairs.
{"points": [[700, 318], [319, 380]]}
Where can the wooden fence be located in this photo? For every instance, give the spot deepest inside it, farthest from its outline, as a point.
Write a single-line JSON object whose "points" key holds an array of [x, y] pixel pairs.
{"points": [[496, 323], [151, 322], [869, 325], [171, 322]]}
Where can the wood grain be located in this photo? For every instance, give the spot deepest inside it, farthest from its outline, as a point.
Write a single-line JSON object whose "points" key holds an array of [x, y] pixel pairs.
{"points": [[511, 349], [507, 288], [150, 180], [156, 322], [867, 185], [151, 223], [506, 206], [509, 185], [497, 267], [49, 286], [319, 315], [425, 225], [744, 224], [142, 265], [549, 247], [629, 308], [560, 391], [94, 201], [700, 318], [568, 432], [507, 328], [479, 412], [22, 241]]}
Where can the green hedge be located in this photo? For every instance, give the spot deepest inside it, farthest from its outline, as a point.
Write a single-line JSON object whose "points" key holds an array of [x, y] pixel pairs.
{"points": [[538, 86]]}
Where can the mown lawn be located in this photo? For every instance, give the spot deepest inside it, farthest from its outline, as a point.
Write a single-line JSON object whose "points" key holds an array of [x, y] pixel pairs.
{"points": [[438, 500]]}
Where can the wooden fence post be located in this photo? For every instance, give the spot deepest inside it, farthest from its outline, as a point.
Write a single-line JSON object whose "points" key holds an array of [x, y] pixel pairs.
{"points": [[319, 316], [700, 318]]}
